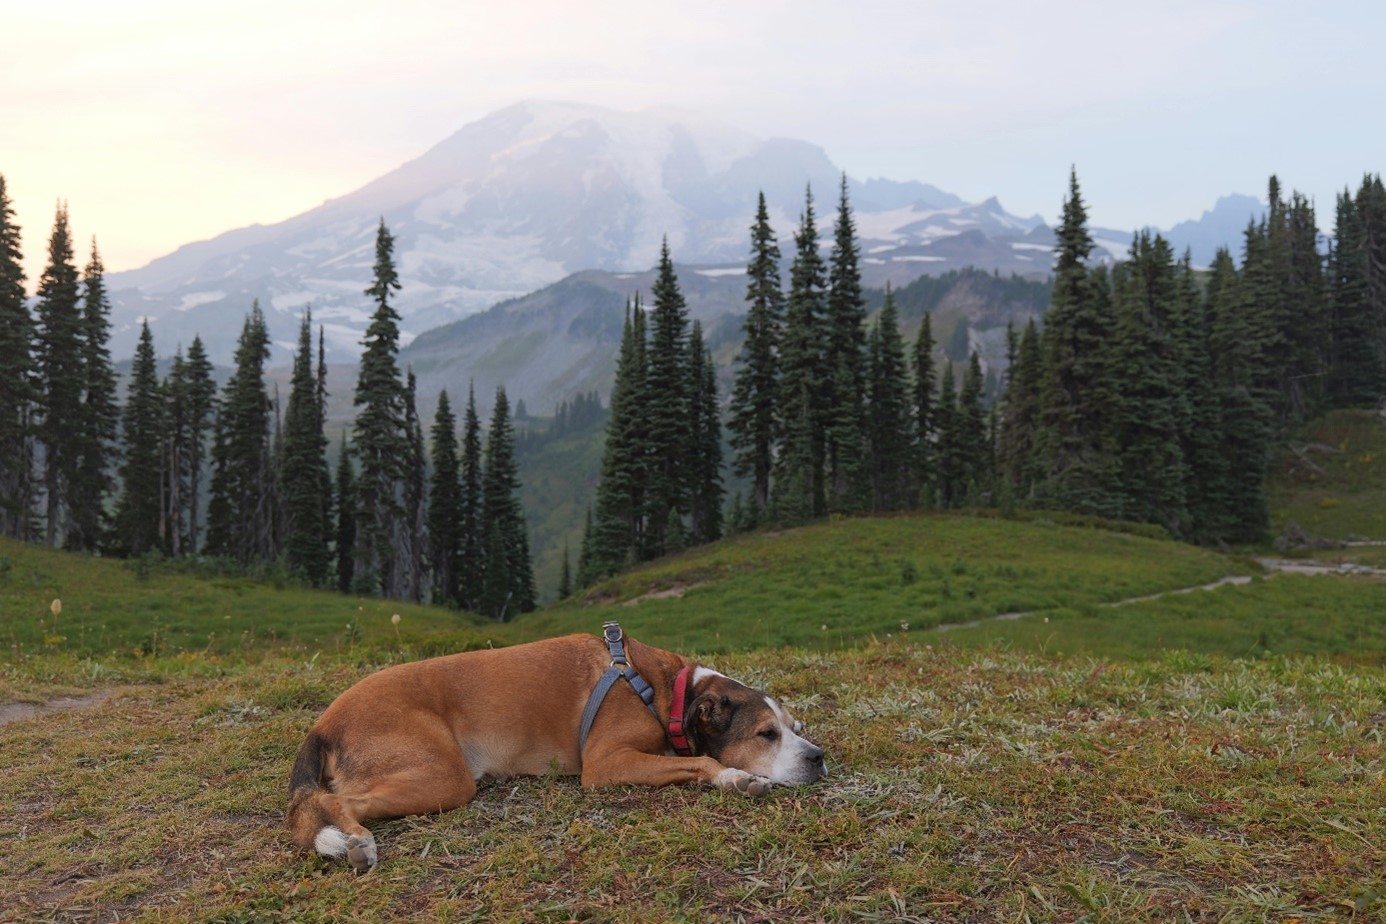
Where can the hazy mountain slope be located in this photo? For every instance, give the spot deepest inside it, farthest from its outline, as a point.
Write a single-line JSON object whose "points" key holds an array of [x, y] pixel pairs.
{"points": [[521, 199]]}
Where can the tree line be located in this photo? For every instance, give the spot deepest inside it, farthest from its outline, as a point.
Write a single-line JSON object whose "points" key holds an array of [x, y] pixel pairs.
{"points": [[402, 517], [661, 478], [1149, 392]]}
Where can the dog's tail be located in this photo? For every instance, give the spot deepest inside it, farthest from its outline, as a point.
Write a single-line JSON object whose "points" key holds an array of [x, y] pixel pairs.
{"points": [[310, 824]]}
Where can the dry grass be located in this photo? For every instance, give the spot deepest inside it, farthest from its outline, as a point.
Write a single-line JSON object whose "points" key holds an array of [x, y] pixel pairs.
{"points": [[966, 786]]}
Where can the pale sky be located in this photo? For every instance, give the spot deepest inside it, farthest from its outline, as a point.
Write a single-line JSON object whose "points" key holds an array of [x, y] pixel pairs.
{"points": [[162, 122]]}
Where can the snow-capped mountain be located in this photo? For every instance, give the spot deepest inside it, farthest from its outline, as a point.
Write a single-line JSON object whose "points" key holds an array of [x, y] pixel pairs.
{"points": [[531, 194]]}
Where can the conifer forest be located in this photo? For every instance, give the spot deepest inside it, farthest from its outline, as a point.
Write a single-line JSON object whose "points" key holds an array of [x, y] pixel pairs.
{"points": [[1152, 391]]}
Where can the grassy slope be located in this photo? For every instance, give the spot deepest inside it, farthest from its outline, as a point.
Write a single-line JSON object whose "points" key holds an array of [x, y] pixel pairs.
{"points": [[110, 605], [965, 786], [1056, 766], [833, 583]]}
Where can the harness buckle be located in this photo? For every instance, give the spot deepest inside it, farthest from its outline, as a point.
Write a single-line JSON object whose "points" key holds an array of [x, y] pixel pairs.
{"points": [[612, 634]]}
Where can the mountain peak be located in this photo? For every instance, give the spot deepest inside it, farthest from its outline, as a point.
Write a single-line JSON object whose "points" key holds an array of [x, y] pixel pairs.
{"points": [[519, 199]]}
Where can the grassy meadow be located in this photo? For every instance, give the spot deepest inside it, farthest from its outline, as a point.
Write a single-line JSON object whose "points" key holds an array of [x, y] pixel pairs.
{"points": [[1215, 755]]}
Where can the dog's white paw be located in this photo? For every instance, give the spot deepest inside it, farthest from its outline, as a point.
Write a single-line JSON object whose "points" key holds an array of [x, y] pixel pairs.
{"points": [[739, 781], [361, 852]]}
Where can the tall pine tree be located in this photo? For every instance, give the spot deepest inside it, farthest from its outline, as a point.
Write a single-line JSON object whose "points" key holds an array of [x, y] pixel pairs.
{"points": [[445, 517], [305, 447], [508, 586], [799, 490], [754, 423], [843, 416], [380, 437], [1020, 408], [1078, 466], [413, 558], [618, 528], [889, 443], [100, 421], [344, 545], [138, 513], [472, 567], [925, 405], [667, 393], [704, 444], [1237, 347], [61, 379], [240, 513], [18, 383]]}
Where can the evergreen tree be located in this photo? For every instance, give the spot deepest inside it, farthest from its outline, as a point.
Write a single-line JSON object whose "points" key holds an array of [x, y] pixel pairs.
{"points": [[61, 377], [584, 566], [471, 569], [327, 499], [138, 513], [345, 535], [1283, 279], [508, 587], [1205, 467], [754, 424], [704, 444], [1148, 405], [925, 415], [200, 392], [667, 393], [1020, 408], [844, 361], [240, 514], [413, 558], [799, 490], [972, 439], [380, 437], [1078, 466], [618, 529], [1371, 211], [950, 469], [889, 422], [305, 447], [1236, 511], [565, 577], [1357, 376], [445, 516], [18, 383], [174, 438], [98, 426]]}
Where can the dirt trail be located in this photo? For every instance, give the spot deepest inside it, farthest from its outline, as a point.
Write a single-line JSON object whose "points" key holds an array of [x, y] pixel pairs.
{"points": [[1273, 565], [17, 712]]}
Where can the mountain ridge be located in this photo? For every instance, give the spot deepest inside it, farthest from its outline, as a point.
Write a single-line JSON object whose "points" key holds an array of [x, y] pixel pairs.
{"points": [[535, 192]]}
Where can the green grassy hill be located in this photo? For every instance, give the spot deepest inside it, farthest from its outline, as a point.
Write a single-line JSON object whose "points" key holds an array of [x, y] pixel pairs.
{"points": [[1214, 755], [113, 607]]}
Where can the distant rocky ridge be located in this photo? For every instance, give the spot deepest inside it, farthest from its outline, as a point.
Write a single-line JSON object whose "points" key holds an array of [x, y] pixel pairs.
{"points": [[534, 193]]}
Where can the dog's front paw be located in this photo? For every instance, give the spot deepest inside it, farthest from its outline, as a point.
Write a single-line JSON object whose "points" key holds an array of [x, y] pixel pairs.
{"points": [[739, 781], [361, 852]]}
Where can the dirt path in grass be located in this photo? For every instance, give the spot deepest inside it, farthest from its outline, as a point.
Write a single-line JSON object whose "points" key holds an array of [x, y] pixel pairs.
{"points": [[16, 712], [1272, 565]]}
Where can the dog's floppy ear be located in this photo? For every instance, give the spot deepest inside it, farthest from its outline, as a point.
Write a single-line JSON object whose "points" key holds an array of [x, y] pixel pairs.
{"points": [[711, 714]]}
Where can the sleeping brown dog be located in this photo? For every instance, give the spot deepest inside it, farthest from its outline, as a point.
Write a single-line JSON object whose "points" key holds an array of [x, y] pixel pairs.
{"points": [[419, 737]]}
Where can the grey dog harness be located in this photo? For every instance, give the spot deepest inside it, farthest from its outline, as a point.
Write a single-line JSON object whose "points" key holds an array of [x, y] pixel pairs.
{"points": [[620, 667]]}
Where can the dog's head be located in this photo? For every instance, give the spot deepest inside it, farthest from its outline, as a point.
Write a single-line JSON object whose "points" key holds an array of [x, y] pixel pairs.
{"points": [[746, 729]]}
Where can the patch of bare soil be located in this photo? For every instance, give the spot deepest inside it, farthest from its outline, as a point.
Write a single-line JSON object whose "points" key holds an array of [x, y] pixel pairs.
{"points": [[678, 590], [18, 712]]}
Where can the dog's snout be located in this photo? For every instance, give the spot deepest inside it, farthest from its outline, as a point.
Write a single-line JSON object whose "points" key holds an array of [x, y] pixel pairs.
{"points": [[814, 757]]}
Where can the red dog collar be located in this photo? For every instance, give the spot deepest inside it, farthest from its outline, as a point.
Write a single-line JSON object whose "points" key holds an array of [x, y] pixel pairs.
{"points": [[676, 735]]}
